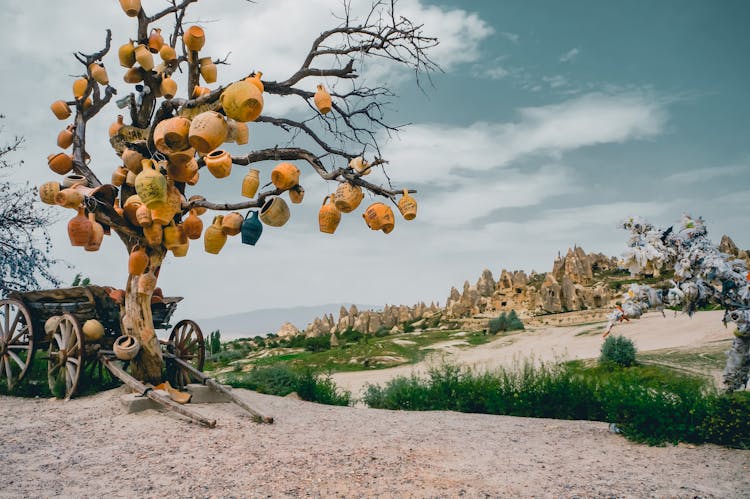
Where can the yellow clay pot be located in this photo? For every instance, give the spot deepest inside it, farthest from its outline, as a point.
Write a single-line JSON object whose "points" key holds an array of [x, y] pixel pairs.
{"points": [[348, 197], [207, 131], [60, 109], [250, 183], [126, 54], [328, 216], [214, 238], [323, 100], [194, 38], [219, 163], [285, 176], [275, 212], [407, 205]]}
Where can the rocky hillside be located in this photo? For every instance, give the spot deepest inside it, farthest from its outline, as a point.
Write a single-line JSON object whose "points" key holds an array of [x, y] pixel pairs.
{"points": [[573, 284]]}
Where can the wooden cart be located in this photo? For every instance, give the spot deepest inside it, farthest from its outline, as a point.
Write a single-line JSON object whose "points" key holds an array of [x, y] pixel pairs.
{"points": [[23, 317]]}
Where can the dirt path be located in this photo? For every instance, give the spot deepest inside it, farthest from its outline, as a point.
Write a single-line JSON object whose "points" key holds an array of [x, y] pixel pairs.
{"points": [[90, 448], [652, 332]]}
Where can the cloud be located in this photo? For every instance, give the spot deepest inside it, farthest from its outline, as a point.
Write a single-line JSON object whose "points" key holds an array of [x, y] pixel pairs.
{"points": [[570, 55], [511, 37], [704, 174], [497, 73], [435, 153]]}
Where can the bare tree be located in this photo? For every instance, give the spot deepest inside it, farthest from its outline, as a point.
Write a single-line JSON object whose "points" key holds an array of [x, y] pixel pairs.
{"points": [[344, 140], [24, 242]]}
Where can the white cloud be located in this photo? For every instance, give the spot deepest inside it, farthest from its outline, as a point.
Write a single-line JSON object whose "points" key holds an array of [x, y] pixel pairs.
{"points": [[705, 174], [570, 55], [497, 73], [511, 37]]}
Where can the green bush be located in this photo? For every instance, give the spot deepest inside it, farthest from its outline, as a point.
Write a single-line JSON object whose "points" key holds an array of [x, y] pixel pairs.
{"points": [[318, 343], [383, 331], [505, 322], [649, 404], [351, 335], [279, 379], [619, 350]]}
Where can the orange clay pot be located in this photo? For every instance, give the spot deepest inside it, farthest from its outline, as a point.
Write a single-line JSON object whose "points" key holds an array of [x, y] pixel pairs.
{"points": [[328, 216], [131, 7], [126, 55], [174, 236], [48, 192], [379, 217], [183, 172], [322, 100], [181, 250], [115, 127], [132, 160], [65, 137], [242, 101], [347, 197], [167, 53], [296, 194], [194, 38], [99, 74], [133, 75], [60, 109], [199, 210], [255, 80], [144, 57], [155, 41], [69, 198], [138, 261], [79, 229], [168, 87], [171, 135], [96, 236], [207, 131], [360, 166], [407, 205], [250, 183], [182, 157], [208, 69], [79, 87], [60, 163], [119, 176], [219, 163], [232, 223], [193, 225], [285, 176], [214, 238], [130, 208], [143, 216], [154, 234]]}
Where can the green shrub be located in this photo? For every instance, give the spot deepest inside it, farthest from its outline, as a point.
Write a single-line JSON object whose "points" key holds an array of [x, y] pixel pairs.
{"points": [[618, 350], [281, 380], [318, 343], [728, 422], [505, 322], [383, 331], [351, 335]]}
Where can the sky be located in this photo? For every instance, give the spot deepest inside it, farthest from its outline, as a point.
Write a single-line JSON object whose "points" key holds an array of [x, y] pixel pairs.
{"points": [[550, 123]]}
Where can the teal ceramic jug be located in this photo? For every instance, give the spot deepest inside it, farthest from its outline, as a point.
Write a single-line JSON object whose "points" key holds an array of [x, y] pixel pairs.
{"points": [[251, 228]]}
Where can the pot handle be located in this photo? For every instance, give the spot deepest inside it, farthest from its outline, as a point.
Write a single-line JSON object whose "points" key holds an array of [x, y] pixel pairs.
{"points": [[325, 199]]}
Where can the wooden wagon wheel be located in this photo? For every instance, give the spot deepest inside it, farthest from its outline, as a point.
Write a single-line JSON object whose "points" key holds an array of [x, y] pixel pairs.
{"points": [[186, 343], [66, 357], [16, 341]]}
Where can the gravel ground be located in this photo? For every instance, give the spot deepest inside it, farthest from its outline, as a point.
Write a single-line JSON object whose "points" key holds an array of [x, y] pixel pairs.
{"points": [[90, 448]]}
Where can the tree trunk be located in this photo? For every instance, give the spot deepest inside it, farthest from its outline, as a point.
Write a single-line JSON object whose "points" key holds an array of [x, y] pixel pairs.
{"points": [[738, 362], [138, 322]]}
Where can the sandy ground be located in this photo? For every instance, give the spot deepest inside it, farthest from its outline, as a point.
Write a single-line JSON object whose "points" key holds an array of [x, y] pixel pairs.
{"points": [[90, 448], [651, 332]]}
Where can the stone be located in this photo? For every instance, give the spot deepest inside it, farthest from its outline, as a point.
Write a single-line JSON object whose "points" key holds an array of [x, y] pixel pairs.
{"points": [[486, 284], [201, 394], [287, 330], [135, 403]]}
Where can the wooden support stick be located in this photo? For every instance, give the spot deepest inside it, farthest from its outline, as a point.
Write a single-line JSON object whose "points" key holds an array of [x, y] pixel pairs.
{"points": [[217, 387], [148, 391]]}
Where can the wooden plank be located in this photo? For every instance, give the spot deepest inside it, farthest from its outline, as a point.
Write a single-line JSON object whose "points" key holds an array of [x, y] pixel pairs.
{"points": [[147, 390]]}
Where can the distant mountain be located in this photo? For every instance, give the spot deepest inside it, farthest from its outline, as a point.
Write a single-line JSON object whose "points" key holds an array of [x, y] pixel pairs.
{"points": [[268, 320]]}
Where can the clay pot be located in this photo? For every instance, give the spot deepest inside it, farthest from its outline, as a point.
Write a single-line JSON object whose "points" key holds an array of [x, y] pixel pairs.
{"points": [[130, 179], [328, 216], [132, 160], [131, 7], [99, 74], [360, 166], [144, 57], [184, 172], [130, 208], [194, 38], [174, 198], [143, 216], [251, 228], [167, 53], [151, 185], [168, 87], [119, 176], [117, 208], [79, 88], [74, 179], [207, 131], [133, 75], [379, 217], [48, 191], [214, 238], [174, 235], [194, 179], [296, 194], [126, 347], [347, 197], [171, 135], [87, 103], [199, 210], [126, 54], [60, 109], [275, 212], [138, 261], [407, 205], [255, 80], [200, 92], [50, 325], [154, 234], [208, 69], [162, 214], [155, 41], [115, 127], [285, 176], [322, 100], [219, 163], [250, 183], [79, 229], [180, 250], [232, 224], [65, 137], [93, 330], [242, 101], [60, 163], [193, 225], [182, 157], [96, 236]]}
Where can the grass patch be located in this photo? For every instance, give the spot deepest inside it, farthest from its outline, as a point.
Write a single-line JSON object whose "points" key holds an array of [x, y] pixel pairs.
{"points": [[281, 380], [650, 404]]}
